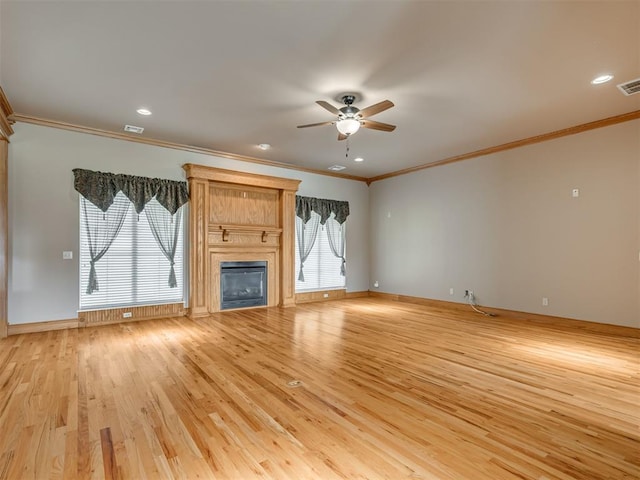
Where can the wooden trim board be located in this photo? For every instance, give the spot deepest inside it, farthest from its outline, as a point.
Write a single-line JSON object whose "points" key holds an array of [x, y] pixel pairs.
{"points": [[6, 116], [605, 122], [175, 146], [4, 236], [235, 177], [535, 317], [320, 296], [91, 318], [37, 327], [337, 294]]}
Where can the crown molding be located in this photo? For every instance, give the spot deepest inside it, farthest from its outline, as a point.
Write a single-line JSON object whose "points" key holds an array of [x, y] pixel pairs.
{"points": [[18, 117], [584, 127], [605, 122], [6, 116]]}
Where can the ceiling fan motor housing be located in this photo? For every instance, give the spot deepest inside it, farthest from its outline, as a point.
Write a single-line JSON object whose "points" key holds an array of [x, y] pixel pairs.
{"points": [[348, 111]]}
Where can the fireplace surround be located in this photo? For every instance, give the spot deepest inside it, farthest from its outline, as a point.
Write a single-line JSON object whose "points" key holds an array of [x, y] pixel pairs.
{"points": [[239, 217]]}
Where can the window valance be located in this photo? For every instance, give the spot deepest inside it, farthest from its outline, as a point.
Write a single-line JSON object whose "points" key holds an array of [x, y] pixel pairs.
{"points": [[323, 207], [101, 188]]}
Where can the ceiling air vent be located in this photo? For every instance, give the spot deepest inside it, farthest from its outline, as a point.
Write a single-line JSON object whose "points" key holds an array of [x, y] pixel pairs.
{"points": [[133, 129], [337, 168], [630, 87]]}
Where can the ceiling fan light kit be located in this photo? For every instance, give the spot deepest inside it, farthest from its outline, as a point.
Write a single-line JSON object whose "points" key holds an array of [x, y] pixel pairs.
{"points": [[351, 118], [348, 126]]}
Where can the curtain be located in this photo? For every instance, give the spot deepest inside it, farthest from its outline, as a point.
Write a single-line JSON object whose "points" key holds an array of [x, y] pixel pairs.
{"points": [[336, 237], [323, 207], [306, 233], [101, 189], [101, 234], [165, 228]]}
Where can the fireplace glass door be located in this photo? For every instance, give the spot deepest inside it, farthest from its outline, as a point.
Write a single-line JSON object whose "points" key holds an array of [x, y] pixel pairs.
{"points": [[243, 284]]}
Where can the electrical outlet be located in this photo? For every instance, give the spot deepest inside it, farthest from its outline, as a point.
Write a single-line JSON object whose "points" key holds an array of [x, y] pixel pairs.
{"points": [[326, 295], [545, 302], [451, 291], [376, 284], [67, 255], [127, 315]]}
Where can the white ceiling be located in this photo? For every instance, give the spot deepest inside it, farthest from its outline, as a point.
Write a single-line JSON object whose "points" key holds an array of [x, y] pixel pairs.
{"points": [[227, 75]]}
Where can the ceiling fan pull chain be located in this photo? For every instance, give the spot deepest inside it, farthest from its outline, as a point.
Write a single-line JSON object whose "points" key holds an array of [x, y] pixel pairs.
{"points": [[346, 156]]}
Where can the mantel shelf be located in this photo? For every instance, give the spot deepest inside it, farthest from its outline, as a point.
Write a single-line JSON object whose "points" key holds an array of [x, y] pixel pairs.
{"points": [[227, 229]]}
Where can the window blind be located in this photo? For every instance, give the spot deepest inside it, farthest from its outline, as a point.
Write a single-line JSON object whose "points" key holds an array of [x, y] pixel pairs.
{"points": [[134, 271], [322, 267]]}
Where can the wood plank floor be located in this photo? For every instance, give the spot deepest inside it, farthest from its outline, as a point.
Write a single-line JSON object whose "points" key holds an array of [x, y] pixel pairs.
{"points": [[388, 390]]}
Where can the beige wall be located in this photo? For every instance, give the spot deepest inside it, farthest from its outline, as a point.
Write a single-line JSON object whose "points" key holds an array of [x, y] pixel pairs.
{"points": [[507, 227], [43, 210], [504, 225]]}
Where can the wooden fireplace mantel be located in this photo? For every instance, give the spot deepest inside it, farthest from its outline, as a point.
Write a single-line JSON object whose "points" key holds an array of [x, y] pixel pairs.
{"points": [[239, 216]]}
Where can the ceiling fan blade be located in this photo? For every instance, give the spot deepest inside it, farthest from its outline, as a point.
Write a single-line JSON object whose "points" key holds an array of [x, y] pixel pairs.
{"points": [[341, 136], [328, 106], [316, 124], [385, 127], [377, 108]]}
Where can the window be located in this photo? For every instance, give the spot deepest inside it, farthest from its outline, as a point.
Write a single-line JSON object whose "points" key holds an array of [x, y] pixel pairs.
{"points": [[322, 269], [134, 270]]}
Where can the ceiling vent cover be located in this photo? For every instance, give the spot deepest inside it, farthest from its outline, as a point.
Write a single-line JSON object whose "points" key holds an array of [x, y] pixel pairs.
{"points": [[630, 87], [133, 129]]}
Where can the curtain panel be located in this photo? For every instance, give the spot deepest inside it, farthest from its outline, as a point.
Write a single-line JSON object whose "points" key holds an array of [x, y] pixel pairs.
{"points": [[101, 188], [306, 233], [323, 207], [100, 235]]}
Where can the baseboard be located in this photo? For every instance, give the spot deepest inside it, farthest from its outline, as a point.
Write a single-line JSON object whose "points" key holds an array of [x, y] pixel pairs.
{"points": [[328, 295], [102, 317], [418, 300], [587, 325], [93, 318], [320, 296], [37, 327], [362, 294]]}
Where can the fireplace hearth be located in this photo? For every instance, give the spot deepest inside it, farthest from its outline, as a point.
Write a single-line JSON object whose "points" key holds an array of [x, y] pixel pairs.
{"points": [[243, 284]]}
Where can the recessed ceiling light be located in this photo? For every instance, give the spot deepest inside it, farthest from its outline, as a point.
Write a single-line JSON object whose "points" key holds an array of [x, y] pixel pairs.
{"points": [[359, 159], [264, 146], [602, 79], [144, 111], [336, 168]]}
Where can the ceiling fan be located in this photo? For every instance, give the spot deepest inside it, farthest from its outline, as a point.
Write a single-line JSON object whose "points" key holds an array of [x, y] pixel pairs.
{"points": [[351, 118]]}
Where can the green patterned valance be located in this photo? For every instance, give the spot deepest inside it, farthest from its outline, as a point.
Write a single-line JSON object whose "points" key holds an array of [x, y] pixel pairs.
{"points": [[323, 207], [101, 188]]}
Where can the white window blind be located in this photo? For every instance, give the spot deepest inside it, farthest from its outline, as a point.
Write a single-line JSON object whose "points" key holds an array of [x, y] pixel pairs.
{"points": [[134, 271], [322, 267]]}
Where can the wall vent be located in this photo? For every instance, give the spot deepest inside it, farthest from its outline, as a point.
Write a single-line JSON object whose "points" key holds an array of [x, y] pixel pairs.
{"points": [[630, 87], [133, 129]]}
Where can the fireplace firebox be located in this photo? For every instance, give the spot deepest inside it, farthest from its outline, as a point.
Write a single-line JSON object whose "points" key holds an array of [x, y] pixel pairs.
{"points": [[243, 284]]}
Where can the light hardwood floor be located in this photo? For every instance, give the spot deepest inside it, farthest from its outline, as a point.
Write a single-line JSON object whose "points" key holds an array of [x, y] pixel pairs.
{"points": [[388, 390]]}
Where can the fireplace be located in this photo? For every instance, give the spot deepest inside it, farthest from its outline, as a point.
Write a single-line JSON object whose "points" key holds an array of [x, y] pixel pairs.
{"points": [[243, 284]]}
